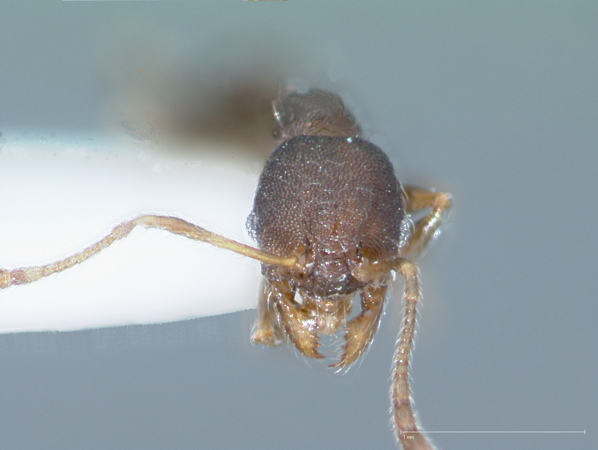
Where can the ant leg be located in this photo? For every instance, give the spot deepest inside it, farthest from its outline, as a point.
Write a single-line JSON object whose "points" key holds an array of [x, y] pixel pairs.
{"points": [[426, 228], [267, 329], [300, 326], [172, 224], [361, 329]]}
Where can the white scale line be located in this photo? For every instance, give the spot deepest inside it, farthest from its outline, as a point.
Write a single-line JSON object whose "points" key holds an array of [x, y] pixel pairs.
{"points": [[499, 432]]}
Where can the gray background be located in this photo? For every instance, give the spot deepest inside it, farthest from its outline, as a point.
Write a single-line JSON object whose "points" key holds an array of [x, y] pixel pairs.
{"points": [[494, 103]]}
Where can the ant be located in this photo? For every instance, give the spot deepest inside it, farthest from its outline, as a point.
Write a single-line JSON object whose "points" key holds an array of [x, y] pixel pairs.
{"points": [[331, 221]]}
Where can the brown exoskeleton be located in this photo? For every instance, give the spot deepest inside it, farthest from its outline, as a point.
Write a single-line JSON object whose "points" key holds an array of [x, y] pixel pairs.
{"points": [[331, 221]]}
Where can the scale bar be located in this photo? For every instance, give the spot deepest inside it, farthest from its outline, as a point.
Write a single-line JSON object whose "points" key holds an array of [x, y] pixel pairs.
{"points": [[499, 432]]}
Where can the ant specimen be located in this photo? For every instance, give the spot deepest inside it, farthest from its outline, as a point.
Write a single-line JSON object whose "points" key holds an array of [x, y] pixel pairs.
{"points": [[331, 220]]}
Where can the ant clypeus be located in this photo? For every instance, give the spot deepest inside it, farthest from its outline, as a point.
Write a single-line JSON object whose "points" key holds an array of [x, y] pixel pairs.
{"points": [[331, 220]]}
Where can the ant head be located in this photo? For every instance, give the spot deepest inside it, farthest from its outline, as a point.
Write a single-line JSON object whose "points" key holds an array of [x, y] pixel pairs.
{"points": [[315, 113]]}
